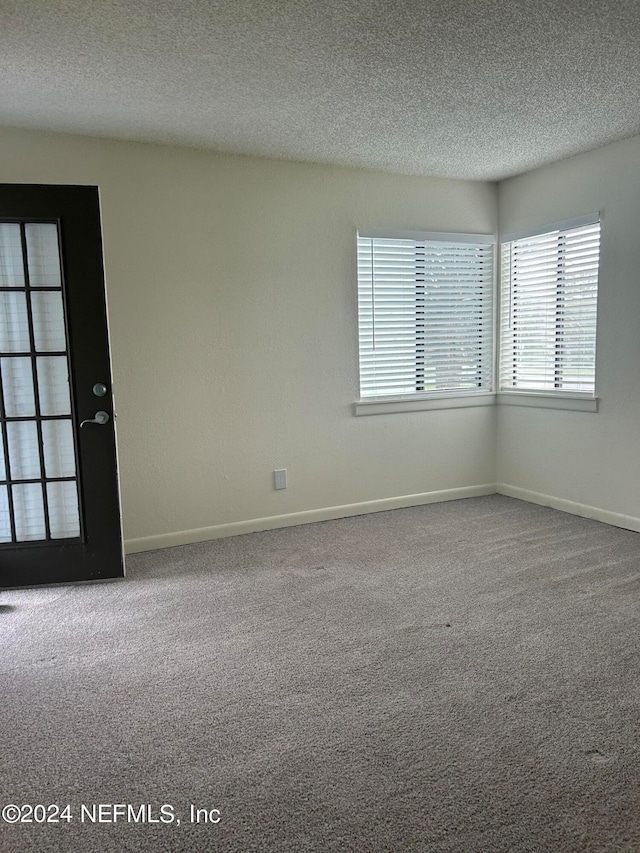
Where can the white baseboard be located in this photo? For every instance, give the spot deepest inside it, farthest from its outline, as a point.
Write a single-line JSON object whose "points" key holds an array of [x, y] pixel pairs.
{"points": [[617, 519], [236, 528]]}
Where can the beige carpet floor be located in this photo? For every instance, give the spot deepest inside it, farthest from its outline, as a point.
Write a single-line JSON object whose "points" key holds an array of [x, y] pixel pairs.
{"points": [[454, 677]]}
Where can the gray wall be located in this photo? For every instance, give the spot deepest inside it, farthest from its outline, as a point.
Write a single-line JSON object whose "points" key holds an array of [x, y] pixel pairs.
{"points": [[590, 459], [233, 308], [232, 297]]}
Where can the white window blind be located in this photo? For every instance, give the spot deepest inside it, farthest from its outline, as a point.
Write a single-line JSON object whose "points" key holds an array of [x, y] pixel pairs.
{"points": [[548, 310], [425, 315]]}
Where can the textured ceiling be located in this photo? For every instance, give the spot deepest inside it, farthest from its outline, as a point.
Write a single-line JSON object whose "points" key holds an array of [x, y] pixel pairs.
{"points": [[477, 89]]}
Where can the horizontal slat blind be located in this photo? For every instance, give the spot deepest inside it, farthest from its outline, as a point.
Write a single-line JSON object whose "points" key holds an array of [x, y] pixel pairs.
{"points": [[548, 311], [425, 316]]}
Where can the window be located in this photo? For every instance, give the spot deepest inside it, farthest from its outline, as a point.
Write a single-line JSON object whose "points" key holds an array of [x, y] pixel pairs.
{"points": [[425, 314], [548, 309]]}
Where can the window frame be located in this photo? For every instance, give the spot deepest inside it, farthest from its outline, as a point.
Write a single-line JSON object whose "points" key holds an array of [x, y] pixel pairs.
{"points": [[435, 399], [560, 398]]}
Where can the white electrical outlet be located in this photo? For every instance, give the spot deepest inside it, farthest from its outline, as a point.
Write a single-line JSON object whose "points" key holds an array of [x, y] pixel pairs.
{"points": [[280, 478]]}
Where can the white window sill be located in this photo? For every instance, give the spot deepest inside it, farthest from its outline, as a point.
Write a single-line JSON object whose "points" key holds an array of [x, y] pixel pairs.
{"points": [[388, 406], [568, 402], [393, 405]]}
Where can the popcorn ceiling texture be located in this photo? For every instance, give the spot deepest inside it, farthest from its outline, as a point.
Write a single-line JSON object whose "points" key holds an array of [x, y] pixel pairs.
{"points": [[482, 89]]}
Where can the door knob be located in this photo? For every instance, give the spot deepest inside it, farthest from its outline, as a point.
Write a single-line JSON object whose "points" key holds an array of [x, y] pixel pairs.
{"points": [[100, 418]]}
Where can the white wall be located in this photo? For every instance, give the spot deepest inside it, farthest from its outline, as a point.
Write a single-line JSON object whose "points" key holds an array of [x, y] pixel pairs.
{"points": [[232, 296], [590, 459]]}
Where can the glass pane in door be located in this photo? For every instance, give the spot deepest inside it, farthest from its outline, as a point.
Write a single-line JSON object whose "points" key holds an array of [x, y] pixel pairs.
{"points": [[11, 266], [17, 375], [38, 471]]}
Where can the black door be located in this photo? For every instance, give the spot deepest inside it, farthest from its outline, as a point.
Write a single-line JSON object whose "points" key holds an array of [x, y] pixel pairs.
{"points": [[59, 497]]}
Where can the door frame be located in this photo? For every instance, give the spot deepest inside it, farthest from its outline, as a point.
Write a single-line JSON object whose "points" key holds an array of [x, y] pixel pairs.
{"points": [[98, 553]]}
